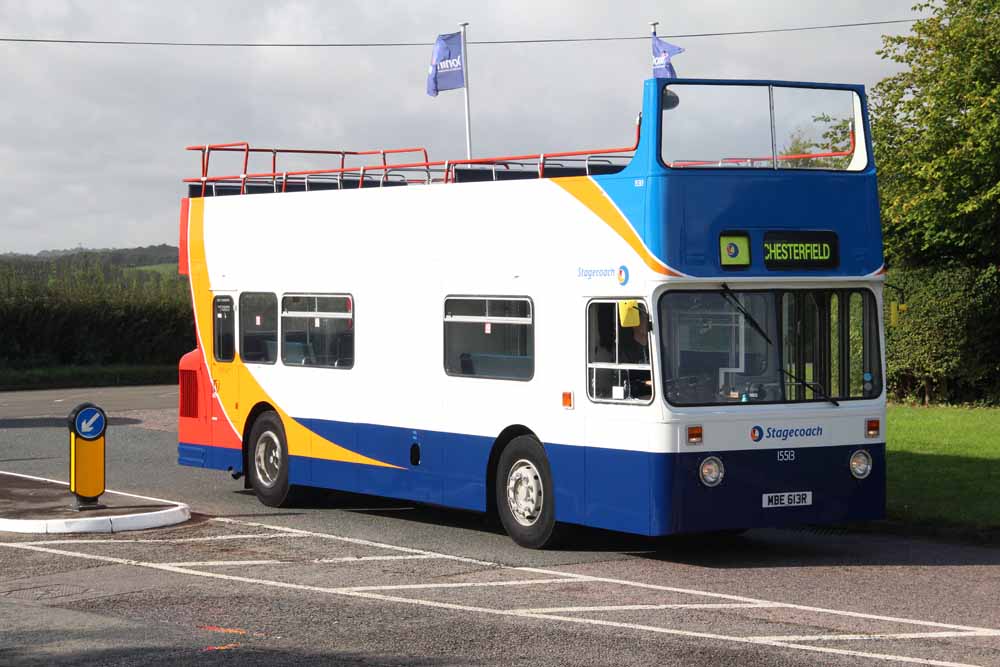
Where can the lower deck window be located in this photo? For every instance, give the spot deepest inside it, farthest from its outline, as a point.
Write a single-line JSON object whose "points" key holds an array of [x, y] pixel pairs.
{"points": [[258, 327], [317, 330], [489, 338]]}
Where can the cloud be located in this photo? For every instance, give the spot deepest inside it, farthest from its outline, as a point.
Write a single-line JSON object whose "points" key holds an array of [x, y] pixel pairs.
{"points": [[92, 137]]}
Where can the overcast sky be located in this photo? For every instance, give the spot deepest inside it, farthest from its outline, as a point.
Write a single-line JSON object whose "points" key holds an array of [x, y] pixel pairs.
{"points": [[92, 137]]}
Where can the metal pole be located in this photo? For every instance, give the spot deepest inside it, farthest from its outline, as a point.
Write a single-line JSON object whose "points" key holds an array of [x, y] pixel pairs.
{"points": [[652, 26], [465, 74]]}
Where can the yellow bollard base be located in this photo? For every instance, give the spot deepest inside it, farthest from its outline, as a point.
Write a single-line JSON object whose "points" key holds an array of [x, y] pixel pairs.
{"points": [[82, 503]]}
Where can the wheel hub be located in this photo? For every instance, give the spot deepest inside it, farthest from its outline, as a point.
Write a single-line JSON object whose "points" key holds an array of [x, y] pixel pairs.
{"points": [[267, 458], [525, 494]]}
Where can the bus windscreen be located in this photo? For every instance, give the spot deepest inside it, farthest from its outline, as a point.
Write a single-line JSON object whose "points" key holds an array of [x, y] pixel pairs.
{"points": [[725, 347], [762, 127]]}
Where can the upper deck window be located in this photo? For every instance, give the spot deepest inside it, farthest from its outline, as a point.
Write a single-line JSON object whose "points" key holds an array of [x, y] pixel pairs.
{"points": [[762, 127]]}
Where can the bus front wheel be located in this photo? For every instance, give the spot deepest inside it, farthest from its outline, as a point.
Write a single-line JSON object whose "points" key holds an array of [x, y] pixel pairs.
{"points": [[268, 461], [525, 493]]}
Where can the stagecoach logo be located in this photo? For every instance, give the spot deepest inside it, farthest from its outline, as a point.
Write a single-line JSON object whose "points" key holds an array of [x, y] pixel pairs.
{"points": [[732, 250], [620, 274], [758, 433]]}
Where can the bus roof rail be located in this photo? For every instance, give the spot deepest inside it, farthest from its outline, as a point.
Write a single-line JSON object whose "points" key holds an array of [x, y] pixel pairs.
{"points": [[441, 171]]}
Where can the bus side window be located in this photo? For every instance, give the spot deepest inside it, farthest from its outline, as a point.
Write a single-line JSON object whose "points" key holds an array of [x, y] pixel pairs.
{"points": [[317, 330], [224, 329], [618, 361], [259, 327], [489, 337]]}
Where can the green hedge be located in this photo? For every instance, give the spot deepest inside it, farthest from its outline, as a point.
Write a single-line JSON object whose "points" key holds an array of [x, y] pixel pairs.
{"points": [[85, 312], [51, 331], [946, 346]]}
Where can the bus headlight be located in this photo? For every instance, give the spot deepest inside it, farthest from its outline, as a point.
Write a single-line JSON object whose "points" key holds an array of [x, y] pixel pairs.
{"points": [[861, 464], [711, 471]]}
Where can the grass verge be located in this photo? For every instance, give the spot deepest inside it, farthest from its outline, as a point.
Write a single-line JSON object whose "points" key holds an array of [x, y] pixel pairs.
{"points": [[944, 471], [61, 377]]}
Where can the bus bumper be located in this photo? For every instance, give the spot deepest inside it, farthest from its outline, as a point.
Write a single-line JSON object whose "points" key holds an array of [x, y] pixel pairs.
{"points": [[741, 500]]}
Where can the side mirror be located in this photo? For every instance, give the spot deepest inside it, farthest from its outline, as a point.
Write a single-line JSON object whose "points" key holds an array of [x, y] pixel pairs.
{"points": [[628, 313], [670, 100]]}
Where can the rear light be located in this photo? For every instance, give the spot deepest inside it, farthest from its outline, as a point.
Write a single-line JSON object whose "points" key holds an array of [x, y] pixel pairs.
{"points": [[694, 435], [872, 428]]}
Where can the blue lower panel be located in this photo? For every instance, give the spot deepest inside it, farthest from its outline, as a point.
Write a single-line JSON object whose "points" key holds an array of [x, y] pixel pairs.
{"points": [[749, 474], [635, 492], [217, 458]]}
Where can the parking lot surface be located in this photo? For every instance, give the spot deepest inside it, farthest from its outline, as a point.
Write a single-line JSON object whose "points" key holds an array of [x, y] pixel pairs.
{"points": [[358, 580]]}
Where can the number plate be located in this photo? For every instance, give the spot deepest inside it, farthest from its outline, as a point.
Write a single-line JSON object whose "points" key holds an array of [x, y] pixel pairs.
{"points": [[787, 499]]}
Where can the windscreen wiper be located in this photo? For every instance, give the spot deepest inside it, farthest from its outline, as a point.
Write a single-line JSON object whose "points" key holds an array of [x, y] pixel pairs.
{"points": [[731, 298], [815, 386]]}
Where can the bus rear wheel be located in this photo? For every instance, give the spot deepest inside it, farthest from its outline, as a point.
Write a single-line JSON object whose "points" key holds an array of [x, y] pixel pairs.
{"points": [[525, 494], [268, 461]]}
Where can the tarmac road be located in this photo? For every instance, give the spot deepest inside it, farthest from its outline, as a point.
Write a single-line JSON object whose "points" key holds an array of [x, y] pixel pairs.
{"points": [[360, 580]]}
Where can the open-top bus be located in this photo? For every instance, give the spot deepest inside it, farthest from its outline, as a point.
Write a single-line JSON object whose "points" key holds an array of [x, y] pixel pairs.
{"points": [[681, 335]]}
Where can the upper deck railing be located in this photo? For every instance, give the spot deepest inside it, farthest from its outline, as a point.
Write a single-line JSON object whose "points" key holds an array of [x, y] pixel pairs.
{"points": [[384, 172]]}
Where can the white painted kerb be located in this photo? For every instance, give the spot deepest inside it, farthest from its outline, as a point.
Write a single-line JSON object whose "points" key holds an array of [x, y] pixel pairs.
{"points": [[168, 516]]}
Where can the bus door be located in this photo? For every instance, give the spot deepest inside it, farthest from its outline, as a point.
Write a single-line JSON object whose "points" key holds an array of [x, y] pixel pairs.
{"points": [[223, 366], [619, 385]]}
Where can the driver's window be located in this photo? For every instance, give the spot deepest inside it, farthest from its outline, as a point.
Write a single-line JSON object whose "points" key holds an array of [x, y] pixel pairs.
{"points": [[618, 352]]}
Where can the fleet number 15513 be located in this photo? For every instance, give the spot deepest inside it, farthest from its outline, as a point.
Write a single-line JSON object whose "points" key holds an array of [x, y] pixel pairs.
{"points": [[786, 454]]}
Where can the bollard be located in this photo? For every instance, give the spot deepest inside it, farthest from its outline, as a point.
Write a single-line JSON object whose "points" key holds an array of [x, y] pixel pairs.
{"points": [[87, 425]]}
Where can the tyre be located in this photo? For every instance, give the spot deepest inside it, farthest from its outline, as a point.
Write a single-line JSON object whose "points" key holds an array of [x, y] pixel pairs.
{"points": [[268, 461], [525, 494]]}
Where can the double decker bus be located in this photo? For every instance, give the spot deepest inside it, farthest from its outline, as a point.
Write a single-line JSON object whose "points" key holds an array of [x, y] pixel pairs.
{"points": [[681, 335]]}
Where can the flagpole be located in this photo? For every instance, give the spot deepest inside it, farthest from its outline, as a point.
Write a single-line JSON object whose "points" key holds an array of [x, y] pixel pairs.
{"points": [[465, 74], [652, 26]]}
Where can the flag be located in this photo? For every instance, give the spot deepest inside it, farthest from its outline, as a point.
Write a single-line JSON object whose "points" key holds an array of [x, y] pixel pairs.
{"points": [[447, 71], [662, 51]]}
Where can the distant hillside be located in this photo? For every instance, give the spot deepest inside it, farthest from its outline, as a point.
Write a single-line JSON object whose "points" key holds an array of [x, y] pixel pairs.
{"points": [[142, 256]]}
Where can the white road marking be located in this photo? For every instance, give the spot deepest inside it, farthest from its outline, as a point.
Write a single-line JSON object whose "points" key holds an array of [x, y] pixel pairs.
{"points": [[177, 540], [468, 584], [351, 559], [645, 607], [120, 493], [879, 635], [354, 540], [367, 594], [609, 580], [820, 610], [485, 610], [345, 559]]}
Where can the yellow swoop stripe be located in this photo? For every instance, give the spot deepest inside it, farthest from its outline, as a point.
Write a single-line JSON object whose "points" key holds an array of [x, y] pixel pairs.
{"points": [[301, 441], [588, 193]]}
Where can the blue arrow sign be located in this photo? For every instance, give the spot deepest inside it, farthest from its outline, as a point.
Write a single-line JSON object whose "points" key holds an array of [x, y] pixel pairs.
{"points": [[90, 423]]}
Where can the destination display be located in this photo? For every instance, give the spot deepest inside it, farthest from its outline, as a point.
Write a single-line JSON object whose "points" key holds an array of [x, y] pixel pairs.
{"points": [[801, 250]]}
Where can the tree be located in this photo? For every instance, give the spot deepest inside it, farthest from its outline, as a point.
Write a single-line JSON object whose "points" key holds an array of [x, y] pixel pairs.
{"points": [[835, 138], [936, 127]]}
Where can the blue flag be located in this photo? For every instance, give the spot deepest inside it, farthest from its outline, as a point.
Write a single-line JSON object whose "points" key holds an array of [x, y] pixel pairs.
{"points": [[662, 51], [447, 71]]}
